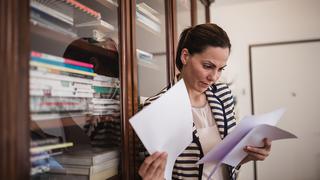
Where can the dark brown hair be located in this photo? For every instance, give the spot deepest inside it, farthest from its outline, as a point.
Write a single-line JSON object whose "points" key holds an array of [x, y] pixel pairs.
{"points": [[196, 39]]}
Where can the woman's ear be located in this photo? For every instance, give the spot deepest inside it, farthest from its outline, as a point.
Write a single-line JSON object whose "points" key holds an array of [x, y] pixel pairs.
{"points": [[184, 56]]}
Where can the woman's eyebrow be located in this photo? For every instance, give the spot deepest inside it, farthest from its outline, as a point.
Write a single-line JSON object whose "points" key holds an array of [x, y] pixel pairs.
{"points": [[212, 64], [223, 66]]}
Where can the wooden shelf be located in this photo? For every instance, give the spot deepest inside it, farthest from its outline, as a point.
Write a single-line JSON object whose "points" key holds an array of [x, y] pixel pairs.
{"points": [[65, 122], [48, 33]]}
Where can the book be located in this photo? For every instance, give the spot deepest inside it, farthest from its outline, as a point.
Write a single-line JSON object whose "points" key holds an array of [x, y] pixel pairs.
{"points": [[105, 101], [50, 116], [57, 104], [109, 3], [87, 169], [88, 156], [84, 8], [44, 21], [39, 149], [145, 56], [53, 12], [97, 24], [61, 64], [147, 11], [60, 68], [59, 75], [147, 22], [102, 175], [60, 59], [60, 93], [41, 142], [47, 83], [103, 78]]}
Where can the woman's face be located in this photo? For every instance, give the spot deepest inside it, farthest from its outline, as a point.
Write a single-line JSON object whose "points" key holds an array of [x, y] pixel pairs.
{"points": [[203, 69]]}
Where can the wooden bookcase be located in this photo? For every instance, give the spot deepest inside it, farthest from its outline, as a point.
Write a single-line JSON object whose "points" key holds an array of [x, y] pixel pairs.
{"points": [[16, 33]]}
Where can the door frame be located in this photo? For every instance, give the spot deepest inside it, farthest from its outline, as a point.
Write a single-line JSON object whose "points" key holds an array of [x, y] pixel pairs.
{"points": [[251, 46]]}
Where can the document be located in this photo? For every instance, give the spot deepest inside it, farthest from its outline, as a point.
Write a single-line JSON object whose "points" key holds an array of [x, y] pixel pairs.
{"points": [[166, 124], [250, 131]]}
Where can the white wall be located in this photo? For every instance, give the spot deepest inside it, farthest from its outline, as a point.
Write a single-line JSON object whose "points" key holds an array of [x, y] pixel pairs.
{"points": [[253, 22]]}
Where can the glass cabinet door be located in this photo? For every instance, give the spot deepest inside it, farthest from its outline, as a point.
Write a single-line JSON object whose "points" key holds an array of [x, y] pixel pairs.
{"points": [[201, 12], [150, 47], [74, 89], [183, 15]]}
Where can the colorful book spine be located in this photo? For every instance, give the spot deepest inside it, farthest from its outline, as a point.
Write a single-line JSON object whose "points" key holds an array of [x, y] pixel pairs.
{"points": [[50, 147], [49, 66], [84, 8], [58, 72], [55, 63], [60, 59], [43, 82], [59, 93], [55, 76]]}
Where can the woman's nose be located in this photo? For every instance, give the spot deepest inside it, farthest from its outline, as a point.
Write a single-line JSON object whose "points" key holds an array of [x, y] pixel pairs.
{"points": [[213, 77]]}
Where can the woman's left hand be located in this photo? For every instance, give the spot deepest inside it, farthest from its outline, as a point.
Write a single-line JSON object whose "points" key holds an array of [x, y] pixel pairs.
{"points": [[257, 153]]}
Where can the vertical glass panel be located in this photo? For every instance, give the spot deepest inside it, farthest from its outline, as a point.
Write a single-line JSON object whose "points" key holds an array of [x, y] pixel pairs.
{"points": [[151, 47], [74, 89], [183, 15], [201, 12]]}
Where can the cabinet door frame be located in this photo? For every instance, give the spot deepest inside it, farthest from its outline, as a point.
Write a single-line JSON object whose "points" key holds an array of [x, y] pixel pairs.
{"points": [[14, 79], [14, 91]]}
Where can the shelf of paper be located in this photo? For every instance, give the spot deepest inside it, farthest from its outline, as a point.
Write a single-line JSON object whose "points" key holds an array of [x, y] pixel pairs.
{"points": [[109, 3], [148, 17], [146, 59]]}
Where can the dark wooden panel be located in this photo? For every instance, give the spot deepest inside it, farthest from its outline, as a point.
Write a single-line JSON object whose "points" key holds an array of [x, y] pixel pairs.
{"points": [[194, 12], [170, 5], [207, 7], [128, 78], [14, 108]]}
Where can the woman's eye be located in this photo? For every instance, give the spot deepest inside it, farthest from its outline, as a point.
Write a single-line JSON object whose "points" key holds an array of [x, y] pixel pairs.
{"points": [[206, 66]]}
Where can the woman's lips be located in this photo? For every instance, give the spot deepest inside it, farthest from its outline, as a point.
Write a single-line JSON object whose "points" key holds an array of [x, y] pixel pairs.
{"points": [[204, 84]]}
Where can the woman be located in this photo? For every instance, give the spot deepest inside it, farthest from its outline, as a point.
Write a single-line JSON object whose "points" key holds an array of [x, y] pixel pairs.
{"points": [[202, 54]]}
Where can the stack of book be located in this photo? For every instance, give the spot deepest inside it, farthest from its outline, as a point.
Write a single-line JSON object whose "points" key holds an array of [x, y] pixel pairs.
{"points": [[69, 17], [106, 107], [59, 87], [42, 151], [87, 163], [96, 28], [106, 96], [148, 17]]}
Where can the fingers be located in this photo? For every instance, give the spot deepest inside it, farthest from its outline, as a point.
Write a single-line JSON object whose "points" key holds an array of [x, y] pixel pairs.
{"points": [[259, 153], [153, 166], [160, 171], [267, 144], [147, 162], [256, 154]]}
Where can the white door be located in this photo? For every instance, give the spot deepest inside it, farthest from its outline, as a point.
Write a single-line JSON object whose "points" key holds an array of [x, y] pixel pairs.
{"points": [[288, 75]]}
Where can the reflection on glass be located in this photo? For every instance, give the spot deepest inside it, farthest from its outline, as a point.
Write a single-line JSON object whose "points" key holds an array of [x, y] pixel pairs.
{"points": [[74, 89], [183, 15], [151, 49], [201, 12]]}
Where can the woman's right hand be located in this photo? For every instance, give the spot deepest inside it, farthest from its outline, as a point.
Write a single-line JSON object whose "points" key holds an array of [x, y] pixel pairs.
{"points": [[153, 166]]}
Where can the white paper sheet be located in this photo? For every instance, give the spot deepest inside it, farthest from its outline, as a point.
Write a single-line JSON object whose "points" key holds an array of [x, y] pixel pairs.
{"points": [[166, 124], [250, 131]]}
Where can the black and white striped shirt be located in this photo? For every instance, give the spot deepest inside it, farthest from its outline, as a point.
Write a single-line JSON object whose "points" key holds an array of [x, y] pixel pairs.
{"points": [[221, 102]]}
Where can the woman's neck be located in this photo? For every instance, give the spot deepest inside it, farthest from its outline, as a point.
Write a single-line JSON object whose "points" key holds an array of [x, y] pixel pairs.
{"points": [[197, 99]]}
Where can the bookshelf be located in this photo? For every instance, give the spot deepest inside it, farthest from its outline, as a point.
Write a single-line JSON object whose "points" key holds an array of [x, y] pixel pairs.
{"points": [[46, 108], [74, 89]]}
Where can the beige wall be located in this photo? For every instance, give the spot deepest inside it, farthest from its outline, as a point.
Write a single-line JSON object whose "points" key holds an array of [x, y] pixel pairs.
{"points": [[253, 22]]}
